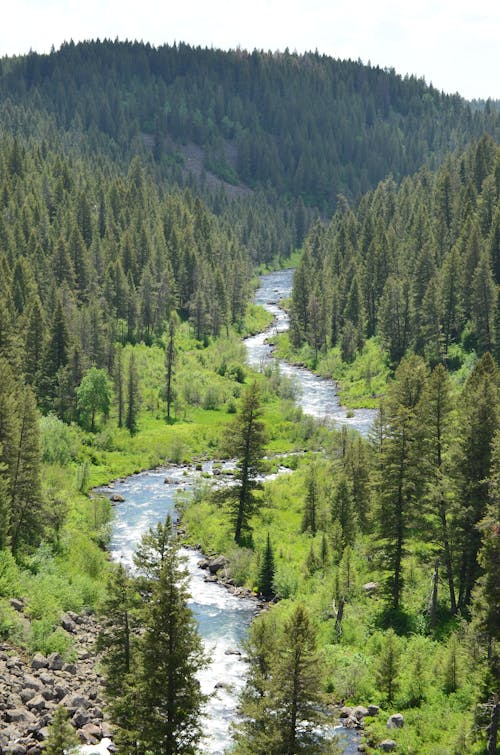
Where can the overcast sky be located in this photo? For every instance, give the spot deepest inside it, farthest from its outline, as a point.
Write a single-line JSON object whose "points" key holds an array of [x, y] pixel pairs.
{"points": [[455, 44]]}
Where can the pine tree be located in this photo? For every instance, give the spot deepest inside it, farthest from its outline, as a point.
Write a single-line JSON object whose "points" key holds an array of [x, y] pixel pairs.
{"points": [[26, 518], [132, 396], [295, 688], [388, 668], [342, 510], [245, 439], [169, 696], [436, 411], [311, 503], [281, 699], [62, 738], [399, 475], [479, 424], [118, 642], [266, 572], [170, 354]]}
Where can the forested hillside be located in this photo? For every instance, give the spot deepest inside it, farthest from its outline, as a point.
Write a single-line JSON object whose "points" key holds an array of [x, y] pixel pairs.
{"points": [[306, 126], [417, 264]]}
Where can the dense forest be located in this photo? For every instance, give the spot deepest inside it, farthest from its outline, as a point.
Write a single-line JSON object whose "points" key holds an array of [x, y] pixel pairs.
{"points": [[417, 264], [306, 126], [140, 188]]}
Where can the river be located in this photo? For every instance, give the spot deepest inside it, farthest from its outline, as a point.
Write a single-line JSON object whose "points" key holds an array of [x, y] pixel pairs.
{"points": [[223, 618], [318, 396]]}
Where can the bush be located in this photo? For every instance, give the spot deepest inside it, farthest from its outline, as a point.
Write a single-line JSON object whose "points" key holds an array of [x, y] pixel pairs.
{"points": [[9, 575], [59, 443]]}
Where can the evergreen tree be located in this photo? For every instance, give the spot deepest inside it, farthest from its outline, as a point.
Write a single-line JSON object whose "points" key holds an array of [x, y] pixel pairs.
{"points": [[169, 696], [311, 503], [400, 475], [388, 669], [26, 519], [266, 572], [281, 699], [170, 354], [118, 642], [132, 396], [245, 439], [479, 424], [436, 410], [62, 738]]}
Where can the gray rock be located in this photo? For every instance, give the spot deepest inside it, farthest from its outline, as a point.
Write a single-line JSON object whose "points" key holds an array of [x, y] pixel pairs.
{"points": [[360, 712], [39, 661], [19, 716], [370, 587], [70, 668], [46, 679], [352, 723], [80, 718], [117, 498], [345, 712], [16, 748], [396, 721], [17, 605], [42, 733], [93, 732], [56, 661], [74, 701], [216, 564], [373, 710], [31, 682], [388, 745], [13, 663], [27, 694], [68, 624], [37, 703]]}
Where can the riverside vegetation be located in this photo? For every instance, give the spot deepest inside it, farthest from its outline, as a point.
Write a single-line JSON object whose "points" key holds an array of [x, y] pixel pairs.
{"points": [[125, 288]]}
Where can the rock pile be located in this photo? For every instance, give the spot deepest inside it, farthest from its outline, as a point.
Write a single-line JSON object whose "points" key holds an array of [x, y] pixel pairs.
{"points": [[32, 688]]}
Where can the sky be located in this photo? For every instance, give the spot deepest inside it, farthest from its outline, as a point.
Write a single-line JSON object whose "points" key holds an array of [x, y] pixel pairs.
{"points": [[453, 44]]}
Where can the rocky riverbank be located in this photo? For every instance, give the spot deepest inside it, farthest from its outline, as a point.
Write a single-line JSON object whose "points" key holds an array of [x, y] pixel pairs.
{"points": [[31, 688]]}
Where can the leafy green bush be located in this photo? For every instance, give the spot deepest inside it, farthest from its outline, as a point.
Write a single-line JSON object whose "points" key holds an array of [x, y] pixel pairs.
{"points": [[58, 441]]}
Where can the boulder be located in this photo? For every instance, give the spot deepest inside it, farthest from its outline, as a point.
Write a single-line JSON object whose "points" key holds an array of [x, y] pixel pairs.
{"points": [[388, 745], [370, 587], [345, 712], [16, 748], [17, 605], [216, 564], [56, 661], [19, 716], [90, 734], [360, 712], [39, 661], [27, 694], [68, 624], [117, 498], [80, 718], [37, 703], [396, 721], [31, 682], [373, 710]]}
